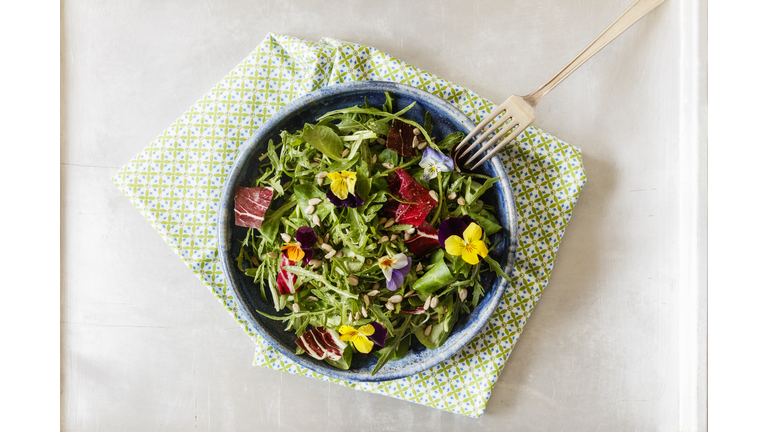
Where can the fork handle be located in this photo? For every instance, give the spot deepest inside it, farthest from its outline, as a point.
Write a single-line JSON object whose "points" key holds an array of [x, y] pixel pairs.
{"points": [[630, 16]]}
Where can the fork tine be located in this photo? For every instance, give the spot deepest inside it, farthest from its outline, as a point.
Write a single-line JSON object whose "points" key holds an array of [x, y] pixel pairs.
{"points": [[485, 135], [496, 111], [503, 144], [493, 140]]}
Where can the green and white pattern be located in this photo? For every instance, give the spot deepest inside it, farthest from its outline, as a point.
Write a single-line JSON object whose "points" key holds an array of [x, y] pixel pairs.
{"points": [[175, 183]]}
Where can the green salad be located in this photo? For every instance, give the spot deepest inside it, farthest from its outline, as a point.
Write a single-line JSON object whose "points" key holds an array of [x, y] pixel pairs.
{"points": [[364, 234]]}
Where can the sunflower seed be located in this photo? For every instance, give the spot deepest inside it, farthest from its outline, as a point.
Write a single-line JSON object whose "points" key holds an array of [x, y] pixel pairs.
{"points": [[314, 201], [330, 254], [374, 159], [320, 181], [272, 254], [416, 131], [314, 164], [382, 220], [309, 210], [357, 316], [415, 141], [428, 330], [313, 298], [350, 317], [419, 267], [393, 237], [396, 299], [296, 307], [375, 287], [387, 165], [374, 292], [286, 238], [318, 156], [254, 261], [406, 236], [339, 254], [433, 194], [315, 263], [367, 300], [327, 248], [423, 145], [452, 196], [461, 201], [364, 311], [434, 302], [383, 239], [463, 294], [427, 303], [316, 220], [410, 293], [380, 141], [327, 236], [389, 223], [353, 280], [345, 153], [390, 306], [410, 230]]}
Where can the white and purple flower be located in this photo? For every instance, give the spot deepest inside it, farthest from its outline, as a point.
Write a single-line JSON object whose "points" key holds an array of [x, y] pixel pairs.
{"points": [[433, 162], [395, 268]]}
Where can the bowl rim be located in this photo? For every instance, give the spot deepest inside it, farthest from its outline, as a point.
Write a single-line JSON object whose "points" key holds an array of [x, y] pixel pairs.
{"points": [[223, 221]]}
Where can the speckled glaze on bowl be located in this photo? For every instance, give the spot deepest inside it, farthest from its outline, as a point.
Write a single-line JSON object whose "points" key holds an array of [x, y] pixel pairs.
{"points": [[446, 119]]}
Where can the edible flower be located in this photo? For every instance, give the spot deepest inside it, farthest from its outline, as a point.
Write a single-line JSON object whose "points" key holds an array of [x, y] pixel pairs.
{"points": [[359, 337], [351, 201], [433, 162], [380, 335], [470, 246], [343, 183], [395, 268], [293, 251], [452, 226], [307, 237]]}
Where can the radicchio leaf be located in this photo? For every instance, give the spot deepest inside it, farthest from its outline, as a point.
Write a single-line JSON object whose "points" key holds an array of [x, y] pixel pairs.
{"points": [[286, 281], [405, 188], [322, 343], [424, 240], [400, 139], [251, 204]]}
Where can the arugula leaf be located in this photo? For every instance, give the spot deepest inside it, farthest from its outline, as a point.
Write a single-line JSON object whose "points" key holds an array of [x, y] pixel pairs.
{"points": [[436, 278], [496, 268], [388, 104], [389, 348], [475, 190], [345, 361], [488, 225], [325, 140], [451, 140]]}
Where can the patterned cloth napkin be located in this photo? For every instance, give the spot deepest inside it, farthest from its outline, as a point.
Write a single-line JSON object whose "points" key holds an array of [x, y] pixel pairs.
{"points": [[175, 183]]}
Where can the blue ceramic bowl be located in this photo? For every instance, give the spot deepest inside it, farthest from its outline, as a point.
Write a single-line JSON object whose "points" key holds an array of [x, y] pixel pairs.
{"points": [[446, 119]]}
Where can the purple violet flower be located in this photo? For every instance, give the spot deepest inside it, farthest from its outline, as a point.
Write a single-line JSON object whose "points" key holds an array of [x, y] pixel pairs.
{"points": [[452, 226], [350, 201], [379, 336], [433, 162], [395, 269], [307, 237]]}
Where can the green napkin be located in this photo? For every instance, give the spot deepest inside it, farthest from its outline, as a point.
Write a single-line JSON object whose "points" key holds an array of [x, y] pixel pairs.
{"points": [[175, 183]]}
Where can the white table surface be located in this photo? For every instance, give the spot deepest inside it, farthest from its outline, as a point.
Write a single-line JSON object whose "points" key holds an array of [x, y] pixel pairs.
{"points": [[145, 347]]}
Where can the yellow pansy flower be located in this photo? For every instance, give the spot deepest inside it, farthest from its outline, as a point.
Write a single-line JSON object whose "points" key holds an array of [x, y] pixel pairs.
{"points": [[343, 183], [358, 337], [470, 246], [293, 251]]}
